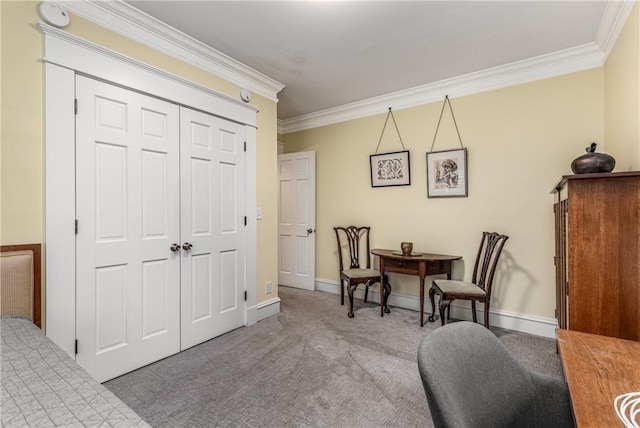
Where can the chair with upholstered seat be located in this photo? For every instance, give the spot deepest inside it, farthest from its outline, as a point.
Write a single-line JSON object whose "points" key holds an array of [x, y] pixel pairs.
{"points": [[358, 271], [479, 289], [472, 380]]}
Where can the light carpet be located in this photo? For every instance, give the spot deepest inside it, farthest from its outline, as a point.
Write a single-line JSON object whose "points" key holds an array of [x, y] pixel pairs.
{"points": [[308, 366]]}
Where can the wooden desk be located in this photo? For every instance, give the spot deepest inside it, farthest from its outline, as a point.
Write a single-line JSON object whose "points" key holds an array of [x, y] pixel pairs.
{"points": [[420, 266], [597, 370]]}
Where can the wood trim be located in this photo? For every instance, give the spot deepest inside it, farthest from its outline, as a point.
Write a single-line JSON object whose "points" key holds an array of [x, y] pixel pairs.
{"points": [[37, 272], [566, 178]]}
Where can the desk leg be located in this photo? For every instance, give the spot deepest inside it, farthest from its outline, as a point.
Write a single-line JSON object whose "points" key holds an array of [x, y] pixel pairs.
{"points": [[448, 269], [387, 291], [421, 300], [383, 277], [384, 295]]}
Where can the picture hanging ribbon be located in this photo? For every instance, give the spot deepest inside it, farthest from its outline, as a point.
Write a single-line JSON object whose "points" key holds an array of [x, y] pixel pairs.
{"points": [[383, 128], [446, 101]]}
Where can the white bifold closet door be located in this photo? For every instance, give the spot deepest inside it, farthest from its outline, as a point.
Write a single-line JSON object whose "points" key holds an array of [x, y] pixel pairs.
{"points": [[213, 228], [128, 213], [160, 248]]}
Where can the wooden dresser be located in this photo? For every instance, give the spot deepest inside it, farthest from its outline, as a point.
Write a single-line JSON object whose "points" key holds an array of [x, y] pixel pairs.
{"points": [[597, 255]]}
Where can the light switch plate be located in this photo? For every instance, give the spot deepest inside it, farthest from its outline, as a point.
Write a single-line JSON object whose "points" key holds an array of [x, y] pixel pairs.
{"points": [[258, 213]]}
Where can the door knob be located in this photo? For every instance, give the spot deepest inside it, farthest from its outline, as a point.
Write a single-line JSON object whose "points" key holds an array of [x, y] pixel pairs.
{"points": [[186, 246], [310, 231], [175, 248]]}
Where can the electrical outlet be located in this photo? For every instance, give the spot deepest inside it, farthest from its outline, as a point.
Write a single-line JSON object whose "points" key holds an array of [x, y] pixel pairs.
{"points": [[267, 287]]}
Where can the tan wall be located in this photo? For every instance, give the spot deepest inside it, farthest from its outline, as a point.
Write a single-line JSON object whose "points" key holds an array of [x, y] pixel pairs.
{"points": [[622, 96], [520, 140], [22, 132]]}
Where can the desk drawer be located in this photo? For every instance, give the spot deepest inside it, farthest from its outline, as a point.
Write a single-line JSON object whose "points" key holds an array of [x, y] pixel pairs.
{"points": [[402, 265]]}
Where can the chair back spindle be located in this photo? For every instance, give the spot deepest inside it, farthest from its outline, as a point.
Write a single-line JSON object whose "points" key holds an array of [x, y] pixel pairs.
{"points": [[354, 237], [479, 289], [487, 259]]}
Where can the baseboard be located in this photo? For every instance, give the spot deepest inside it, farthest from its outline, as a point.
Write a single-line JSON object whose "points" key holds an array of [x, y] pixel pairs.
{"points": [[268, 308], [252, 315], [538, 326]]}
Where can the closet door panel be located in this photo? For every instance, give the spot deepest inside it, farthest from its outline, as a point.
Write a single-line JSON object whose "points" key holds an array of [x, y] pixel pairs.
{"points": [[213, 226], [127, 207]]}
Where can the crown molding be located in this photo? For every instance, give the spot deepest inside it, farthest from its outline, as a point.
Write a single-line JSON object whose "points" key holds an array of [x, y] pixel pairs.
{"points": [[124, 19], [572, 60], [128, 21], [545, 66], [613, 20], [70, 51]]}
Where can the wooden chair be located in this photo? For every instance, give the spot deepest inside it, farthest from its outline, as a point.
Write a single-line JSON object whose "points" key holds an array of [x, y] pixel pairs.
{"points": [[479, 289], [354, 273]]}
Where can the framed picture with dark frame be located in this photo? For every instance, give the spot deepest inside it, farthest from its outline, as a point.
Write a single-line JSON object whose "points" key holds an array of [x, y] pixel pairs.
{"points": [[447, 174], [390, 169]]}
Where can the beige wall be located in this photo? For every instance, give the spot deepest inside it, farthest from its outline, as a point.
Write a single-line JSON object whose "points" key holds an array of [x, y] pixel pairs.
{"points": [[520, 141], [22, 135], [622, 96], [22, 131]]}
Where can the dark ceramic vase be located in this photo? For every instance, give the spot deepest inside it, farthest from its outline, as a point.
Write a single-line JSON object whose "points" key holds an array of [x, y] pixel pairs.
{"points": [[592, 162]]}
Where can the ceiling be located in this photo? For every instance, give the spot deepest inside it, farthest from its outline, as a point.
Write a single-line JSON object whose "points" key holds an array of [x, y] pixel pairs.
{"points": [[332, 53]]}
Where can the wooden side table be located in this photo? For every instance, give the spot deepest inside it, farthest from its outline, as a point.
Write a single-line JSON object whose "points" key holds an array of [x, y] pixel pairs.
{"points": [[420, 265]]}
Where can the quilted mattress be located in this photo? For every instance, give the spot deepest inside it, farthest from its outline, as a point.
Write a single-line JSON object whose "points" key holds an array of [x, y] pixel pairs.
{"points": [[43, 387]]}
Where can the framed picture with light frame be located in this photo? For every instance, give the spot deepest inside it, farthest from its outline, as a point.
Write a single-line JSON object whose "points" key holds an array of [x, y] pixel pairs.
{"points": [[447, 174]]}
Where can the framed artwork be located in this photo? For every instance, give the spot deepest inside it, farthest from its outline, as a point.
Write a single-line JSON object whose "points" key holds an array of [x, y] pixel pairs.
{"points": [[390, 169], [447, 173]]}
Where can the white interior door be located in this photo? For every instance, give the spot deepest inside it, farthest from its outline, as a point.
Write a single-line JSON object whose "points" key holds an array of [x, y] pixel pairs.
{"points": [[127, 208], [297, 219], [213, 227]]}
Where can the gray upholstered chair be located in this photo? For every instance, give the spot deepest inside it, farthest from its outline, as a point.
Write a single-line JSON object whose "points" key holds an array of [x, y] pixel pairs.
{"points": [[472, 380]]}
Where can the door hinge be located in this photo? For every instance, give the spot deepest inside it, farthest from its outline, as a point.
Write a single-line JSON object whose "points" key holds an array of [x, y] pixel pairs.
{"points": [[245, 146], [245, 220], [76, 226], [75, 106], [76, 346], [245, 296]]}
